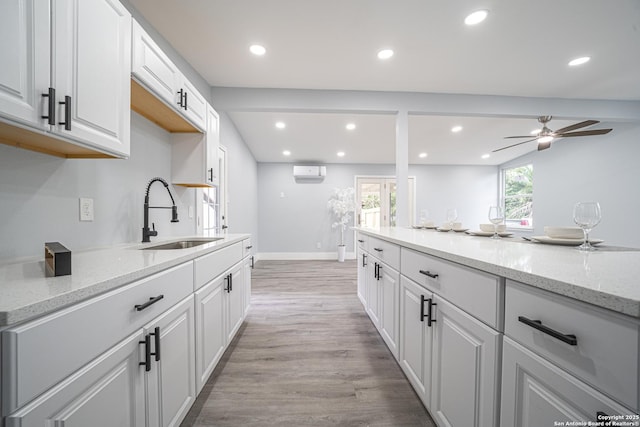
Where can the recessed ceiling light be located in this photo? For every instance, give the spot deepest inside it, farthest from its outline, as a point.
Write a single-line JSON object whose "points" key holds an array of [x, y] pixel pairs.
{"points": [[476, 17], [422, 155], [257, 49], [280, 125], [485, 156], [350, 126], [385, 54], [579, 61], [340, 153], [535, 131], [286, 152], [456, 129]]}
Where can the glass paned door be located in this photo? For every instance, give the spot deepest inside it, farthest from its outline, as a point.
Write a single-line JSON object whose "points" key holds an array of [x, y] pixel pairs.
{"points": [[376, 201]]}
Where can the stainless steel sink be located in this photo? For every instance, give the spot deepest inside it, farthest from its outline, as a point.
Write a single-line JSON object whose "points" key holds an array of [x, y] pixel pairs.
{"points": [[182, 244]]}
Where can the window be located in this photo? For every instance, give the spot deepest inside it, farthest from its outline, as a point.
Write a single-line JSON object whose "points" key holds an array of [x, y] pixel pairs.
{"points": [[517, 193]]}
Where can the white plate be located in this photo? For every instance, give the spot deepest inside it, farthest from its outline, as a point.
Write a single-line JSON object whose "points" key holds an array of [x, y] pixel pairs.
{"points": [[489, 233], [564, 242], [460, 230]]}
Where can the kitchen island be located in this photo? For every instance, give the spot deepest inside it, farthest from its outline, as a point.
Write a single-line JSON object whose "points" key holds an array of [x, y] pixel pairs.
{"points": [[134, 327], [505, 332]]}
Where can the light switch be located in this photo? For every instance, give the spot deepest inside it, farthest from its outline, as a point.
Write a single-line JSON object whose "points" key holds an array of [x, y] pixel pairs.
{"points": [[86, 209]]}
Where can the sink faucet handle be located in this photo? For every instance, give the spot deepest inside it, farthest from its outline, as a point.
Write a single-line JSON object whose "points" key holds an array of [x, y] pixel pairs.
{"points": [[153, 232]]}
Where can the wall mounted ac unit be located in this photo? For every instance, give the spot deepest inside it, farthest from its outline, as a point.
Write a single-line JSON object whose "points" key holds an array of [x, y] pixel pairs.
{"points": [[309, 173]]}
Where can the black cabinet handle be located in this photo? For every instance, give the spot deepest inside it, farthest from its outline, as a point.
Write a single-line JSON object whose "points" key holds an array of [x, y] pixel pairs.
{"points": [[231, 281], [537, 324], [147, 353], [360, 240], [249, 247], [364, 260], [379, 268], [430, 318], [228, 279], [211, 174], [181, 93], [67, 113], [377, 249], [156, 335], [185, 100], [428, 273], [140, 307], [252, 261], [51, 106], [422, 300]]}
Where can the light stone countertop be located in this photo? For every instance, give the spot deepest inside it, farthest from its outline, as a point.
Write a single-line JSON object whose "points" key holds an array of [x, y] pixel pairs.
{"points": [[26, 293], [609, 279]]}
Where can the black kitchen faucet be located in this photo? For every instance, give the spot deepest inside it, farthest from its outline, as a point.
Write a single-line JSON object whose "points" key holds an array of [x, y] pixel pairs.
{"points": [[146, 233]]}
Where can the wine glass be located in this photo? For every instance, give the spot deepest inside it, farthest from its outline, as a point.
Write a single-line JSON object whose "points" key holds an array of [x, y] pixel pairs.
{"points": [[586, 215], [452, 215], [496, 216]]}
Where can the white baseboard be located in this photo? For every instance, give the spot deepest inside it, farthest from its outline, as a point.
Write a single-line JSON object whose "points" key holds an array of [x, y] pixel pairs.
{"points": [[277, 256]]}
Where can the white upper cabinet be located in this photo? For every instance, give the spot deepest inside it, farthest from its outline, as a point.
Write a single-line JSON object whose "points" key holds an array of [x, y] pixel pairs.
{"points": [[66, 76], [182, 107]]}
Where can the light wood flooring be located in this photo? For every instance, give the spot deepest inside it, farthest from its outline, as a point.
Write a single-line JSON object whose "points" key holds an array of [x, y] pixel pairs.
{"points": [[307, 355]]}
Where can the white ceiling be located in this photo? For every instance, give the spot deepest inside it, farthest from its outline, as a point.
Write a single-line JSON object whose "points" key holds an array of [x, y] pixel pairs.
{"points": [[522, 49]]}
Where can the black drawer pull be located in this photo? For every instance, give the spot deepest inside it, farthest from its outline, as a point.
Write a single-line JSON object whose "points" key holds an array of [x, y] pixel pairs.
{"points": [[537, 324], [147, 353], [228, 279], [67, 113], [430, 318], [156, 335], [364, 260], [140, 307], [428, 273], [180, 102], [422, 301], [359, 240], [249, 247], [377, 249], [51, 106]]}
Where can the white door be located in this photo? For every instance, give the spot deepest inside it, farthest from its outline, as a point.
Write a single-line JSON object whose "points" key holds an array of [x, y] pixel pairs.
{"points": [[25, 50], [91, 72], [373, 285], [108, 392], [465, 370], [235, 296], [210, 328], [389, 307], [537, 393], [376, 201], [416, 338], [171, 379]]}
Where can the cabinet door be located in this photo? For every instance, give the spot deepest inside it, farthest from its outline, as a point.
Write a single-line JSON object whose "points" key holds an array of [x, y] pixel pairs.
{"points": [[416, 338], [373, 285], [107, 392], [465, 369], [26, 57], [536, 393], [362, 276], [235, 298], [193, 105], [152, 67], [248, 266], [389, 307], [213, 141], [171, 386], [91, 64], [210, 328]]}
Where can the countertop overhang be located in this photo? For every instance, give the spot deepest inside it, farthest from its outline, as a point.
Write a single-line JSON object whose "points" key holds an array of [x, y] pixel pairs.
{"points": [[26, 293], [605, 278]]}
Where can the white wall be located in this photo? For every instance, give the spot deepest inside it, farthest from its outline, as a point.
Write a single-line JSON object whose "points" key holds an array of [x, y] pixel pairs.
{"points": [[295, 223], [602, 168], [39, 196]]}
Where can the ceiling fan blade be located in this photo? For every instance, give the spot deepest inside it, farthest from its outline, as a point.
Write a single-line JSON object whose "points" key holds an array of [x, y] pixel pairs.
{"points": [[584, 133], [521, 136], [577, 126], [543, 145], [514, 145]]}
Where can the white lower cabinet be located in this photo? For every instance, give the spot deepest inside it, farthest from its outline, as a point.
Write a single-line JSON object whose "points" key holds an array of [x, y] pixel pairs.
{"points": [[536, 393], [107, 392], [389, 292], [372, 291], [246, 293], [465, 368], [170, 380], [416, 338]]}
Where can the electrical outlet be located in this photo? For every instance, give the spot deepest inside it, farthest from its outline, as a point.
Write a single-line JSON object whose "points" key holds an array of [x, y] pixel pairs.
{"points": [[86, 209]]}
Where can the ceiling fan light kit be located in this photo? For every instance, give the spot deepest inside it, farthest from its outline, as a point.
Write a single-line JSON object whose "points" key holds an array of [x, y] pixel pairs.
{"points": [[546, 136]]}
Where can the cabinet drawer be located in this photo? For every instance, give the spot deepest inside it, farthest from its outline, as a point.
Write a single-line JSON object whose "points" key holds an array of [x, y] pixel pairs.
{"points": [[386, 252], [605, 353], [40, 353], [247, 248], [476, 292], [214, 264], [362, 241]]}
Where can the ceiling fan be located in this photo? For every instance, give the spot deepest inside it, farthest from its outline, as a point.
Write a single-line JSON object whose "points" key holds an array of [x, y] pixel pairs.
{"points": [[546, 135]]}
